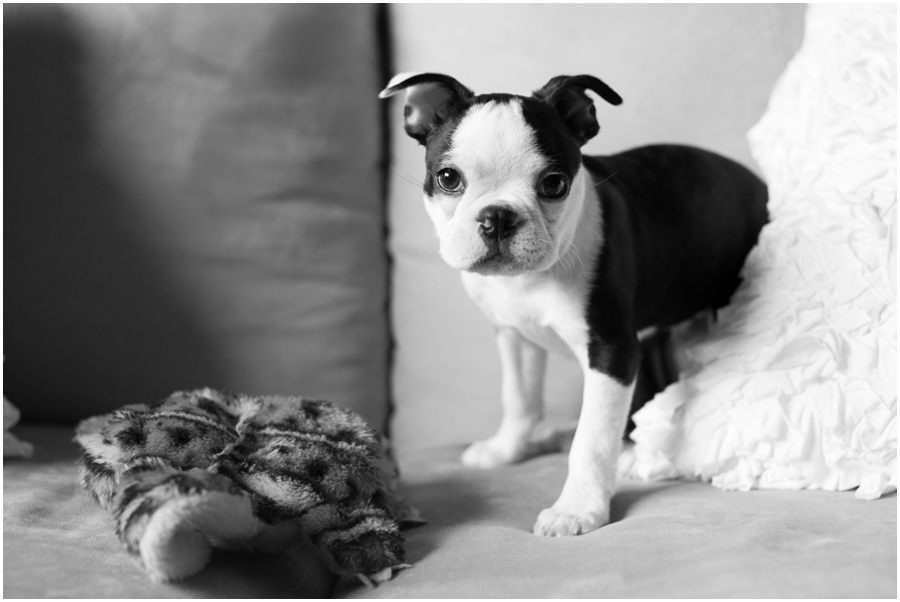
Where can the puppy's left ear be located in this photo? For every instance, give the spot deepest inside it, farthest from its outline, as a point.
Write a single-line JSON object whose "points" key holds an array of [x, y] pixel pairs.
{"points": [[431, 98], [566, 94]]}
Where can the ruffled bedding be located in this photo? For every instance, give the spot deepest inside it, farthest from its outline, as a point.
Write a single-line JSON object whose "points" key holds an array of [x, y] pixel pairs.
{"points": [[795, 385]]}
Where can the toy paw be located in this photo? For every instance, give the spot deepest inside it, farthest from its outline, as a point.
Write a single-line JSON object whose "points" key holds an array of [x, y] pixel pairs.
{"points": [[172, 552], [363, 542], [170, 518], [382, 575], [551, 523], [12, 446]]}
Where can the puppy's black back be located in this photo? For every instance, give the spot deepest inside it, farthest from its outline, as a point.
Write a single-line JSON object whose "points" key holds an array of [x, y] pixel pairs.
{"points": [[678, 225]]}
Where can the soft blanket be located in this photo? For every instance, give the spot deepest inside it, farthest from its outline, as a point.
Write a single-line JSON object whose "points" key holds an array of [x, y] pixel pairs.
{"points": [[207, 469], [796, 386]]}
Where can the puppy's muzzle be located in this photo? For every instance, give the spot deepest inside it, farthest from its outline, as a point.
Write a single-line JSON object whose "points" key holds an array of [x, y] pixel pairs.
{"points": [[497, 223]]}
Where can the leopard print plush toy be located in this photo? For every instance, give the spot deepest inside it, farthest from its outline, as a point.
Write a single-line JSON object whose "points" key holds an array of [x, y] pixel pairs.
{"points": [[206, 469]]}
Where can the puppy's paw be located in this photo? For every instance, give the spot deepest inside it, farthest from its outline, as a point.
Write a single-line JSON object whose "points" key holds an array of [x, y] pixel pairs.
{"points": [[503, 449], [553, 523], [493, 452]]}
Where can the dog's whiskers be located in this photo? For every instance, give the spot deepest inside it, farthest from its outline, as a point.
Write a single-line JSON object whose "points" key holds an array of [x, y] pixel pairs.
{"points": [[605, 179], [431, 276], [406, 177], [578, 257]]}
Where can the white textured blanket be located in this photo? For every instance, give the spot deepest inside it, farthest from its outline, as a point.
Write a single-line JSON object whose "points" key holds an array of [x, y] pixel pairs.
{"points": [[795, 386]]}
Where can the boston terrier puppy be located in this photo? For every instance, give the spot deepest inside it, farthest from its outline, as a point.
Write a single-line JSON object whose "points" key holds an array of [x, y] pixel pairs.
{"points": [[574, 253]]}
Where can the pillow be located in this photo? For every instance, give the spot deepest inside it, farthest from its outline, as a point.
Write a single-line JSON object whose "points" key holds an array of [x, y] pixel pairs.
{"points": [[795, 387], [193, 198]]}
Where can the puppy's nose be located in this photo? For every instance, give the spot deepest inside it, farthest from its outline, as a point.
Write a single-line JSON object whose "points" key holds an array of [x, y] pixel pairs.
{"points": [[497, 222]]}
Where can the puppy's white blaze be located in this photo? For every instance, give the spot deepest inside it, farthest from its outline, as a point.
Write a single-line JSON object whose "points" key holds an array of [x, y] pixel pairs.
{"points": [[497, 152], [496, 148]]}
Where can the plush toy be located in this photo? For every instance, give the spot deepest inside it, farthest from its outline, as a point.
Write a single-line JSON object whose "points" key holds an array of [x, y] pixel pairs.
{"points": [[12, 445], [205, 469]]}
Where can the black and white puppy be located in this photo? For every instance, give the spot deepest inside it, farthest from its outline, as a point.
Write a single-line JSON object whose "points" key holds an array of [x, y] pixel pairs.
{"points": [[573, 253]]}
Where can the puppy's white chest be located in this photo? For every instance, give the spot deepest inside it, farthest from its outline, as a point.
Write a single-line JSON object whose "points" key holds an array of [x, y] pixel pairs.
{"points": [[541, 309]]}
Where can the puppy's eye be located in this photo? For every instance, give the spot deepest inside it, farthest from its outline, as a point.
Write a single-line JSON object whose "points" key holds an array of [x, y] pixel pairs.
{"points": [[449, 180], [554, 186]]}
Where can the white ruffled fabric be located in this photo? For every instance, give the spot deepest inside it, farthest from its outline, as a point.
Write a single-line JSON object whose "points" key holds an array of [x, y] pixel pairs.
{"points": [[795, 386]]}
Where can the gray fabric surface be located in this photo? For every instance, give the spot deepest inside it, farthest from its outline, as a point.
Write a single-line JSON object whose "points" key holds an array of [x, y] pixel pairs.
{"points": [[669, 539], [57, 543]]}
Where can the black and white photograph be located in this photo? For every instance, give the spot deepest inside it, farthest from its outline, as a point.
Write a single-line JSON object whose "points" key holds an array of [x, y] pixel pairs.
{"points": [[450, 301]]}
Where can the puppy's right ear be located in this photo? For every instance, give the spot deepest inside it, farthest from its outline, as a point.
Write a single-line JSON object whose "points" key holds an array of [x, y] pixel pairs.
{"points": [[566, 94], [430, 99]]}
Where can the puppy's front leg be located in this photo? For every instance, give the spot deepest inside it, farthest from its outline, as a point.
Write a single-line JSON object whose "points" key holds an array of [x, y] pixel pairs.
{"points": [[583, 504], [523, 364]]}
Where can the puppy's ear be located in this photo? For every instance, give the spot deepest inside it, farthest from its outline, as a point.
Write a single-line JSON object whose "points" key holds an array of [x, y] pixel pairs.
{"points": [[566, 94], [430, 99]]}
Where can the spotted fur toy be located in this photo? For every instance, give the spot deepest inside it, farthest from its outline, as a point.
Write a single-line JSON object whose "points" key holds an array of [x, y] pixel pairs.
{"points": [[205, 469]]}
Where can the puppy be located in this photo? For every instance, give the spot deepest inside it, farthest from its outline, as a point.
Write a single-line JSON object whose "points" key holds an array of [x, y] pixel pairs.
{"points": [[573, 253]]}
